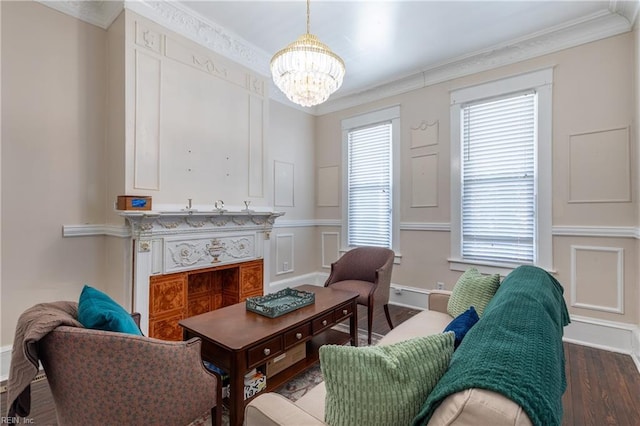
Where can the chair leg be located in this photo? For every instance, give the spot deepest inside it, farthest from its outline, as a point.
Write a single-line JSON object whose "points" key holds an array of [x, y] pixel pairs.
{"points": [[370, 319], [216, 416], [386, 312]]}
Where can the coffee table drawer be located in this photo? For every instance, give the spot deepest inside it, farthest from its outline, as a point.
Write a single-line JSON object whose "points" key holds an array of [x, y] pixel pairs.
{"points": [[258, 354], [342, 312], [323, 322], [298, 334]]}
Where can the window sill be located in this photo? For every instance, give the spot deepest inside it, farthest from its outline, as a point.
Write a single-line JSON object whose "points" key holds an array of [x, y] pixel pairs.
{"points": [[486, 267]]}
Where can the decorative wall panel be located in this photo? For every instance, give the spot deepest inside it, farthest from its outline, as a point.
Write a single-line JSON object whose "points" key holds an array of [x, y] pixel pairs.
{"points": [[283, 184], [285, 246], [147, 127], [424, 181], [425, 134], [330, 248], [184, 254], [597, 278], [256, 149], [600, 167]]}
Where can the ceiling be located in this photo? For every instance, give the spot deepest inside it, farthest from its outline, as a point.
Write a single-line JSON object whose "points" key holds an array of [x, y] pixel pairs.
{"points": [[394, 45]]}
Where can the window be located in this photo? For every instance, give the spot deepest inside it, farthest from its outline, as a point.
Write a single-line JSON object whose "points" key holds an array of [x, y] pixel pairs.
{"points": [[370, 143], [501, 187]]}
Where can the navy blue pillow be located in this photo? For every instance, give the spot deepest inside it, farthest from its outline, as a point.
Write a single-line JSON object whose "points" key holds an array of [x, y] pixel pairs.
{"points": [[462, 324], [99, 311]]}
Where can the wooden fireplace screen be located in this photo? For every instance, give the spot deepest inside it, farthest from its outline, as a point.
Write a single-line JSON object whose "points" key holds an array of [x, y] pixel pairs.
{"points": [[173, 297]]}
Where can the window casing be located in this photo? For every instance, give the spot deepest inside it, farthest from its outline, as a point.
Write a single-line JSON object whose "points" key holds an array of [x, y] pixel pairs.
{"points": [[501, 174], [370, 179]]}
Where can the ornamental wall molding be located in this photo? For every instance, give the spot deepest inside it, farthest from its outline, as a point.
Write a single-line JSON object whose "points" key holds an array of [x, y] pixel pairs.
{"points": [[620, 18], [153, 224]]}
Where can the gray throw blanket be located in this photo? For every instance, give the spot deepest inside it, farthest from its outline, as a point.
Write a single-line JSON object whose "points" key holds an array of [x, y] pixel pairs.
{"points": [[33, 325]]}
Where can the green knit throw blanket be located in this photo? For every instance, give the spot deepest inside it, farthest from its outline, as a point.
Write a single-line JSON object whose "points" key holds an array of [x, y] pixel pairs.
{"points": [[515, 349]]}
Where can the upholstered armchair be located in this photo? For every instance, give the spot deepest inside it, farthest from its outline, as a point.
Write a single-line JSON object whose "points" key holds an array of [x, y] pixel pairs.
{"points": [[102, 377], [367, 271]]}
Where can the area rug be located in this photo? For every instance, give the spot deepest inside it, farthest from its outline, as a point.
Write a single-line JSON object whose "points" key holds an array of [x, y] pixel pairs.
{"points": [[297, 387]]}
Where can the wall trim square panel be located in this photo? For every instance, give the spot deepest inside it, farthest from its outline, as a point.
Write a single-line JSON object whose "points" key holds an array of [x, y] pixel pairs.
{"points": [[285, 248], [329, 257], [592, 269], [424, 180], [600, 166]]}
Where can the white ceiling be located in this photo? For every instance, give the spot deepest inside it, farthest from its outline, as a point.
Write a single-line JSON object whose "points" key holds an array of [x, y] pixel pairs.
{"points": [[390, 46]]}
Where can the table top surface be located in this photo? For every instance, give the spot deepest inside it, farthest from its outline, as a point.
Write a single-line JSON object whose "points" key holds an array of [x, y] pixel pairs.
{"points": [[236, 328]]}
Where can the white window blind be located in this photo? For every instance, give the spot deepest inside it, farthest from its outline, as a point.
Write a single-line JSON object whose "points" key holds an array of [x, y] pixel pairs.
{"points": [[369, 186], [498, 179]]}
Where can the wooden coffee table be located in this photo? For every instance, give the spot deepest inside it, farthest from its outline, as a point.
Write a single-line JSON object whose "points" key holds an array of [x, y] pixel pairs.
{"points": [[237, 340]]}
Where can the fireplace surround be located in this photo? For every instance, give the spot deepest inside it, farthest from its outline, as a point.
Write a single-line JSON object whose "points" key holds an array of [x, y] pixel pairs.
{"points": [[166, 245]]}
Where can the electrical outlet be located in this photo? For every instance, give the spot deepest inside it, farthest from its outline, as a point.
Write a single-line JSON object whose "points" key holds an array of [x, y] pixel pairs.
{"points": [[285, 266], [439, 286], [397, 290]]}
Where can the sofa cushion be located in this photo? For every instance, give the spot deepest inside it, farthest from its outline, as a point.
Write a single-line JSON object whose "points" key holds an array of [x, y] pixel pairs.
{"points": [[382, 385], [472, 289], [462, 323], [425, 323], [99, 311], [473, 407]]}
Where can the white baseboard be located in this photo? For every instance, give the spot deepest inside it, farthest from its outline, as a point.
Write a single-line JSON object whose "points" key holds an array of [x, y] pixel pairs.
{"points": [[409, 297], [607, 335], [635, 344]]}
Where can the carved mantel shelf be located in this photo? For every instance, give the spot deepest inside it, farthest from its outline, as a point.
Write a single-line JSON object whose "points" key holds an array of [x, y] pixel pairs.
{"points": [[145, 224]]}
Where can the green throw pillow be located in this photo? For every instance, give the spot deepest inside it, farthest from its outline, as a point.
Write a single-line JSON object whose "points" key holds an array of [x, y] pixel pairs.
{"points": [[98, 311], [472, 289], [382, 385]]}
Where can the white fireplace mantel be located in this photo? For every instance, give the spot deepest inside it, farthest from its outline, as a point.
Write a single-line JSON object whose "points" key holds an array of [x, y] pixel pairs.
{"points": [[169, 242], [146, 224]]}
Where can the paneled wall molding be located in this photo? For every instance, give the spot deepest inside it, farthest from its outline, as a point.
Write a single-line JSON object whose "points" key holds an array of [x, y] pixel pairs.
{"points": [[121, 231], [561, 231], [326, 236], [619, 279], [285, 253], [596, 231], [214, 36]]}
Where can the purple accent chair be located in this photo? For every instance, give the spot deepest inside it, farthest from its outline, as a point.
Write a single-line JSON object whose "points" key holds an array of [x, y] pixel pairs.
{"points": [[366, 271], [108, 378]]}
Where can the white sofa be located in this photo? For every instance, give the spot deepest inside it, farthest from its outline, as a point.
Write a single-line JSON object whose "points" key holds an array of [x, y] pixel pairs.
{"points": [[468, 407]]}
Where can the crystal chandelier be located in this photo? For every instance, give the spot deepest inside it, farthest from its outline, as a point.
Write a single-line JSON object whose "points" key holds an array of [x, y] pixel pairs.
{"points": [[307, 71]]}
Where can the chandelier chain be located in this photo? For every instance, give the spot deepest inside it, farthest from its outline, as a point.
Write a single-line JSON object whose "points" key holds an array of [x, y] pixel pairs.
{"points": [[308, 19]]}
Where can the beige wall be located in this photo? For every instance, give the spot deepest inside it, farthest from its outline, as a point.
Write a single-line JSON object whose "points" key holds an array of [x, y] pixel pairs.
{"points": [[53, 112], [590, 94]]}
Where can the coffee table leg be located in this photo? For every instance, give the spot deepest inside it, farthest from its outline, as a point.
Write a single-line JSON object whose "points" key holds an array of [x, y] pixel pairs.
{"points": [[236, 403], [353, 324]]}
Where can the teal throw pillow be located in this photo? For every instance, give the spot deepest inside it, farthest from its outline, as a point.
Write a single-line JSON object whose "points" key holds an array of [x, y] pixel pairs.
{"points": [[472, 289], [382, 385], [98, 311], [461, 324]]}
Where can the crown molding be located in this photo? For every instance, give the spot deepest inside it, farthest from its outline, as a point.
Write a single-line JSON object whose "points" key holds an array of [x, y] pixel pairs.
{"points": [[574, 33], [629, 9], [98, 13], [621, 17]]}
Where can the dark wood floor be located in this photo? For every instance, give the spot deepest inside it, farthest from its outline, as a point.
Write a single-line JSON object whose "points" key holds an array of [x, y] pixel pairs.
{"points": [[603, 388]]}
